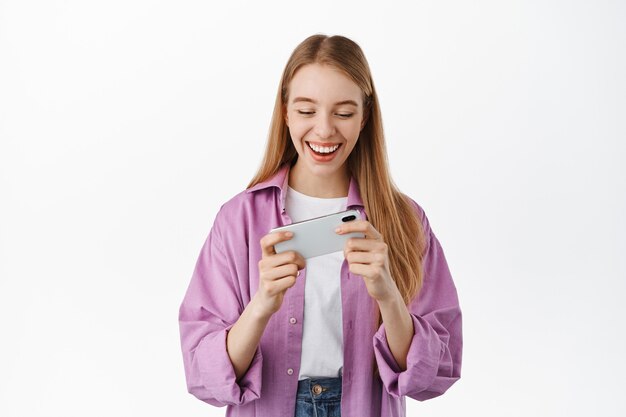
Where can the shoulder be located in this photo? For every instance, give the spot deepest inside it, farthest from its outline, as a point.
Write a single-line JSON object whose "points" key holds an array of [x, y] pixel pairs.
{"points": [[230, 209], [261, 198], [245, 201], [243, 211]]}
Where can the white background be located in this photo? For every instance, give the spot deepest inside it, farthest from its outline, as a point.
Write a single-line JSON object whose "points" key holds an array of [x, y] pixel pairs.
{"points": [[124, 125]]}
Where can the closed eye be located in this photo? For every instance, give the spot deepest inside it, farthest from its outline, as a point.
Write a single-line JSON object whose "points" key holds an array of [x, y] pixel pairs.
{"points": [[342, 115]]}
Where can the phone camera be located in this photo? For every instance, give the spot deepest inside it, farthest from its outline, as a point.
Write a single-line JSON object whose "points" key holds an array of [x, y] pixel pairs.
{"points": [[348, 218]]}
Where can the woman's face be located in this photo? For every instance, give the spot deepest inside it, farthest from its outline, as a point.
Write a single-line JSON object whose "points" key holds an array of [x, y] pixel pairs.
{"points": [[325, 115]]}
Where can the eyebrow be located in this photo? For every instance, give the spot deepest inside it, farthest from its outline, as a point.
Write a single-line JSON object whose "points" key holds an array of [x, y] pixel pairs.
{"points": [[339, 103]]}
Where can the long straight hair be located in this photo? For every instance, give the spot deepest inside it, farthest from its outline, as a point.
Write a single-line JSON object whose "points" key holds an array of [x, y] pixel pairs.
{"points": [[388, 210]]}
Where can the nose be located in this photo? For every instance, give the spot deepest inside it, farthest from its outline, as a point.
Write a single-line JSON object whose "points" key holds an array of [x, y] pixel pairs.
{"points": [[324, 127]]}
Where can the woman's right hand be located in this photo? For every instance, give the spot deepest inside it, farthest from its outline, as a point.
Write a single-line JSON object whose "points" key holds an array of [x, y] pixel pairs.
{"points": [[277, 272]]}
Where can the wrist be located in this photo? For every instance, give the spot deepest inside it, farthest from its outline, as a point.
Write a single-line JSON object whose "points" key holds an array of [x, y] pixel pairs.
{"points": [[393, 298], [257, 312]]}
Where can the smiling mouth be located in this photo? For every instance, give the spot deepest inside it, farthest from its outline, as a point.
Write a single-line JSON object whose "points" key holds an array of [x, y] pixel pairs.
{"points": [[324, 150]]}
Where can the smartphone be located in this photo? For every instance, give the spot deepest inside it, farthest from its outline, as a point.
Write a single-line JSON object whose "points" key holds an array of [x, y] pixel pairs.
{"points": [[317, 236]]}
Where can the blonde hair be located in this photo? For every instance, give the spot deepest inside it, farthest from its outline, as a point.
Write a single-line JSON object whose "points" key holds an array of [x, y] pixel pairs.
{"points": [[388, 210]]}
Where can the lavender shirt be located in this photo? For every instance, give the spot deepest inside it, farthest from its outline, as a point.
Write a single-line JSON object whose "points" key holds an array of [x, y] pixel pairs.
{"points": [[225, 279]]}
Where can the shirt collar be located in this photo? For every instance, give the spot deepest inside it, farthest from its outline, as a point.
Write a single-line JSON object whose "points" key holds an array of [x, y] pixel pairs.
{"points": [[280, 180]]}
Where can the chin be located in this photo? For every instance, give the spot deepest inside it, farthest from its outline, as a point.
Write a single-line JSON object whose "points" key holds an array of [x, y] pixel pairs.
{"points": [[324, 169]]}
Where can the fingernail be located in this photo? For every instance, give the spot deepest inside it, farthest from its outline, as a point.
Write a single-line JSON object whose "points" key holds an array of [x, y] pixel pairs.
{"points": [[338, 230], [288, 234]]}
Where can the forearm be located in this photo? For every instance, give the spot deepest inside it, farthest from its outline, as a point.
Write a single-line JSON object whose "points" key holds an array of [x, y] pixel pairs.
{"points": [[398, 327], [244, 337]]}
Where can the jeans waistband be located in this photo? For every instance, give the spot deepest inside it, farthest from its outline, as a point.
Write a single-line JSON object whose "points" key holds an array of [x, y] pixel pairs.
{"points": [[320, 389]]}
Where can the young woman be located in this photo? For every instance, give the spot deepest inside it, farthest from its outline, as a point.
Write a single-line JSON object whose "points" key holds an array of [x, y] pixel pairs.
{"points": [[350, 333]]}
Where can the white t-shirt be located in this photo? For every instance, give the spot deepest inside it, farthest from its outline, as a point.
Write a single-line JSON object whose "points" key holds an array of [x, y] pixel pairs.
{"points": [[322, 333]]}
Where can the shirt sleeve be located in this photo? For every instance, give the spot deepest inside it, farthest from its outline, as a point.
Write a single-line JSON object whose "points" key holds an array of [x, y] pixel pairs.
{"points": [[434, 356], [211, 306]]}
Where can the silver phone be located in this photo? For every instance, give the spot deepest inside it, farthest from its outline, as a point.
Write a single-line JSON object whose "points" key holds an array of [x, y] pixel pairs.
{"points": [[317, 236]]}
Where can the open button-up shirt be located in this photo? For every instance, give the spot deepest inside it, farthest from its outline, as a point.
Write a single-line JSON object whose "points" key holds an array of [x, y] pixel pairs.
{"points": [[225, 279]]}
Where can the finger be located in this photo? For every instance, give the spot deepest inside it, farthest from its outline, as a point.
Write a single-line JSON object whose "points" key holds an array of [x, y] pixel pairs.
{"points": [[361, 269], [361, 244], [280, 285], [273, 288], [360, 257], [268, 241], [280, 272], [291, 256], [362, 226], [284, 258], [352, 226]]}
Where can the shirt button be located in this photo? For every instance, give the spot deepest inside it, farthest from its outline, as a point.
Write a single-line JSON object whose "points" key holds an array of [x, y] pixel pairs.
{"points": [[293, 320], [289, 371]]}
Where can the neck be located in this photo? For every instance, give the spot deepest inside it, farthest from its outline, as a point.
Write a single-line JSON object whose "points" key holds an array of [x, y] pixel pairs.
{"points": [[333, 185]]}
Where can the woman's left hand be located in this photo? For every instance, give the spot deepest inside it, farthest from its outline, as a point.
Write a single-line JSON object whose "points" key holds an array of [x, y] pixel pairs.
{"points": [[369, 257]]}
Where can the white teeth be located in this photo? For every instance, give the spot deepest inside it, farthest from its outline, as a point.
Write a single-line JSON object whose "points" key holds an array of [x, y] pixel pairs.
{"points": [[323, 149]]}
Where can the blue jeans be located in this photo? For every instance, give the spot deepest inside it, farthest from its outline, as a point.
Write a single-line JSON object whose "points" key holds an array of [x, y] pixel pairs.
{"points": [[319, 397]]}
